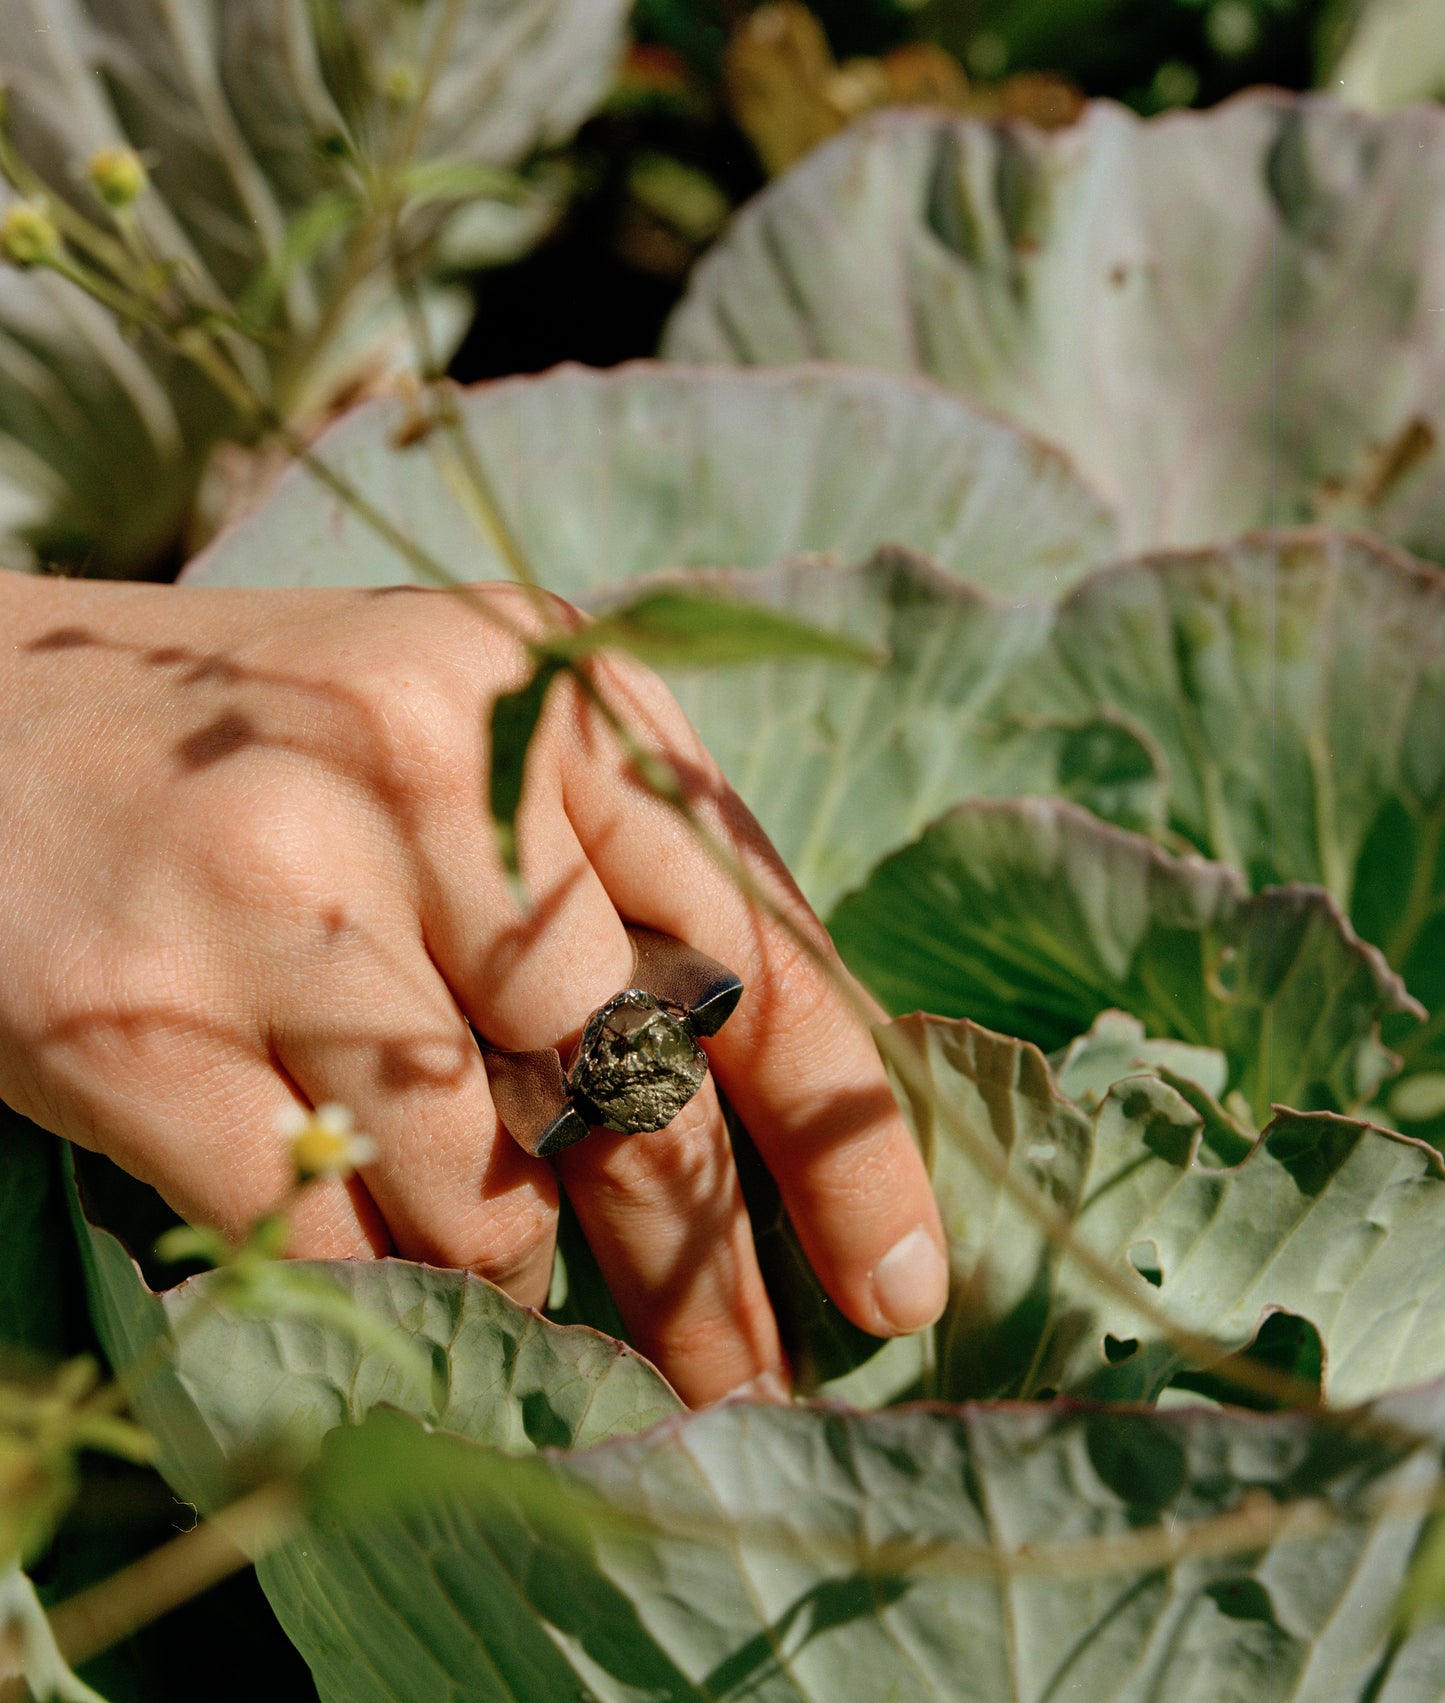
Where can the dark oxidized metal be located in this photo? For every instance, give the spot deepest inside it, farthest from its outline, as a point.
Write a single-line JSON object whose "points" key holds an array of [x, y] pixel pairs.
{"points": [[638, 1062]]}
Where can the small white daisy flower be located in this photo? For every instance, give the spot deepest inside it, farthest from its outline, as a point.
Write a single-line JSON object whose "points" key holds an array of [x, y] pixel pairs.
{"points": [[324, 1143]]}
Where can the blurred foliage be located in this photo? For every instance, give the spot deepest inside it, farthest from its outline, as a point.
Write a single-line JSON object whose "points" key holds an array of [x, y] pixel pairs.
{"points": [[788, 91], [699, 29], [315, 177], [1384, 53], [1117, 48], [1150, 53], [701, 97]]}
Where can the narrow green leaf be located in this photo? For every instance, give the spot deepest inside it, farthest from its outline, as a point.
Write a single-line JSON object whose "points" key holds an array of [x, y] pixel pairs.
{"points": [[677, 628], [681, 195], [389, 1464], [319, 223], [459, 180], [515, 716], [843, 764], [1423, 1598]]}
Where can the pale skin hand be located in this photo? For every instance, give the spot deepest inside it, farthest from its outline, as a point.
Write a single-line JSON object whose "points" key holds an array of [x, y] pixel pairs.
{"points": [[247, 862]]}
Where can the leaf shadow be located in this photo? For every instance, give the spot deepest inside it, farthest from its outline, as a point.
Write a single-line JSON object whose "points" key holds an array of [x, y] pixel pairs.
{"points": [[828, 1605]]}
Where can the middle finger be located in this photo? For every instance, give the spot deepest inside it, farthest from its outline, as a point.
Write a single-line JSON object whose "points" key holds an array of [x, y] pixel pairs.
{"points": [[664, 1214]]}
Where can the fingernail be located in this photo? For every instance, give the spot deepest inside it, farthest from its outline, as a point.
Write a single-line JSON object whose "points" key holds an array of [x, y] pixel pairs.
{"points": [[766, 1386], [910, 1283]]}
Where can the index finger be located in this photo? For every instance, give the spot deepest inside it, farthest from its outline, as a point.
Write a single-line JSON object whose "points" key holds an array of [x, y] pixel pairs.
{"points": [[797, 1059]]}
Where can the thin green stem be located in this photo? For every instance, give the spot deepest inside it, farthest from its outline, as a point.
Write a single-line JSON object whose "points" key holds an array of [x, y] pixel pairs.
{"points": [[133, 309], [382, 200], [440, 52], [233, 1539], [469, 479]]}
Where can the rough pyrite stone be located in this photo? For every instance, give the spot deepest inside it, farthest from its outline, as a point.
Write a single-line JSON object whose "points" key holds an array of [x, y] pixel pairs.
{"points": [[638, 1062], [637, 1065]]}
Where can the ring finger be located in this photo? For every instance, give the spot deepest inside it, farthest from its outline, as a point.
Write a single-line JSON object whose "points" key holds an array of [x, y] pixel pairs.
{"points": [[664, 1214], [663, 1211]]}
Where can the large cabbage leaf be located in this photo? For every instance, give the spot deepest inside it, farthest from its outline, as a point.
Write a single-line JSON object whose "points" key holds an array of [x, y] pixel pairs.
{"points": [[804, 1556], [608, 478], [1277, 705], [1292, 688], [781, 1554], [1229, 319], [260, 119], [842, 765], [603, 476], [1292, 692], [240, 1392], [1034, 917], [1325, 1218]]}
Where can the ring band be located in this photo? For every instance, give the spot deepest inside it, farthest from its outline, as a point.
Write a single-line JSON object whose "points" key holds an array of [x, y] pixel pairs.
{"points": [[638, 1062]]}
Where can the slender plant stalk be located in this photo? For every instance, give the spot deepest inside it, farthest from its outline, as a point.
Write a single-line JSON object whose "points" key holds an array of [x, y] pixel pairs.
{"points": [[112, 1610], [104, 1614]]}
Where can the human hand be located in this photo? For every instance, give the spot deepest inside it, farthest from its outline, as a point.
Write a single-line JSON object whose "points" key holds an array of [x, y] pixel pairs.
{"points": [[249, 864]]}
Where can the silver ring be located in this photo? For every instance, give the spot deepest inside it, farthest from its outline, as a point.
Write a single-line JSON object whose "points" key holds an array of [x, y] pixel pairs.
{"points": [[638, 1062]]}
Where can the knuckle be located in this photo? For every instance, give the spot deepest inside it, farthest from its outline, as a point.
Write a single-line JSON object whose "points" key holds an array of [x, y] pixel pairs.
{"points": [[648, 705], [789, 980], [426, 719], [686, 1165], [531, 613], [275, 851], [418, 727]]}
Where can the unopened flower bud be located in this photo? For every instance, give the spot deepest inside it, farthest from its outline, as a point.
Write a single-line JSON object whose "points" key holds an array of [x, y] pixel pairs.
{"points": [[117, 176], [401, 83], [28, 235]]}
